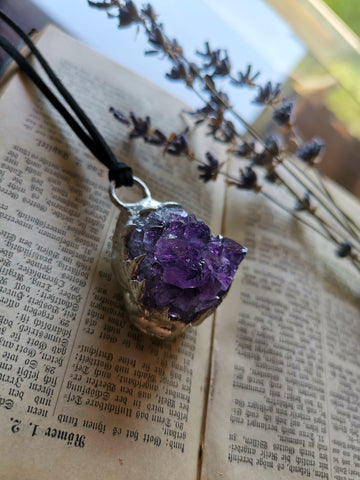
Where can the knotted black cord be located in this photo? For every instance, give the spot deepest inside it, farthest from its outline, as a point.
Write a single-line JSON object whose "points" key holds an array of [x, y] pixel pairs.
{"points": [[91, 137]]}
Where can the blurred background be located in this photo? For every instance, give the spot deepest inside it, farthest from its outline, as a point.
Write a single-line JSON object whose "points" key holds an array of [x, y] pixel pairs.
{"points": [[311, 47], [348, 11]]}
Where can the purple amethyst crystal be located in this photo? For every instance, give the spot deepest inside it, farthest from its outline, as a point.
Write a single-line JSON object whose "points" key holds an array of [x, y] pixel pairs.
{"points": [[185, 267]]}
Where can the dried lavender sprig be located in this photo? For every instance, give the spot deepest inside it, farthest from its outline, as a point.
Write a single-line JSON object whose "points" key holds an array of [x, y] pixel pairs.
{"points": [[145, 133], [300, 200], [176, 55], [257, 137], [345, 226], [178, 144], [326, 227], [128, 14]]}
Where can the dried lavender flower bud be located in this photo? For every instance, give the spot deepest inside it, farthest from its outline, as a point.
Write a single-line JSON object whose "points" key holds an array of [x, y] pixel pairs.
{"points": [[282, 114], [222, 130], [178, 72], [141, 126], [211, 170], [248, 179], [156, 36], [220, 99], [262, 159], [304, 204], [207, 52], [310, 151], [222, 67], [221, 64], [209, 83], [272, 145], [128, 14], [268, 94], [119, 116], [344, 249], [149, 12], [228, 131], [156, 137], [102, 5], [266, 156], [178, 144], [246, 149], [245, 79], [272, 176]]}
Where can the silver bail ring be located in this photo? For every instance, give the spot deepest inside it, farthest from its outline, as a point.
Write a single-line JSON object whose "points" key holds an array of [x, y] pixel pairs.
{"points": [[123, 205]]}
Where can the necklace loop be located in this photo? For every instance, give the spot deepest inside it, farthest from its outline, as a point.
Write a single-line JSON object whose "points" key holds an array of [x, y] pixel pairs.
{"points": [[146, 202]]}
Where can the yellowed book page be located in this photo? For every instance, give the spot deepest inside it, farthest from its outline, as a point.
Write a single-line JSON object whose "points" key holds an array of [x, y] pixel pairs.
{"points": [[285, 382], [83, 394]]}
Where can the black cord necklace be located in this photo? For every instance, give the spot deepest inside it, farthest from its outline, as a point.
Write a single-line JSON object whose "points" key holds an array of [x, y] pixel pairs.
{"points": [[172, 271], [83, 127]]}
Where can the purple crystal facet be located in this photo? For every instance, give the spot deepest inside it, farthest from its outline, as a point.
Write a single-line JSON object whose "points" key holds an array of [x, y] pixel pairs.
{"points": [[185, 267]]}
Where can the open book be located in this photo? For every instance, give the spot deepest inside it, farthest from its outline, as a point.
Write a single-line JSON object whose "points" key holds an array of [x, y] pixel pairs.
{"points": [[267, 388]]}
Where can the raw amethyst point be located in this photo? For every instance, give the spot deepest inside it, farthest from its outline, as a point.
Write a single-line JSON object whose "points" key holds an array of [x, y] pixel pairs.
{"points": [[185, 267]]}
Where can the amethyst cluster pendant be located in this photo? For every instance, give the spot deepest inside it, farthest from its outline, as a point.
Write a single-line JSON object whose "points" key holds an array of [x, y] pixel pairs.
{"points": [[172, 271]]}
